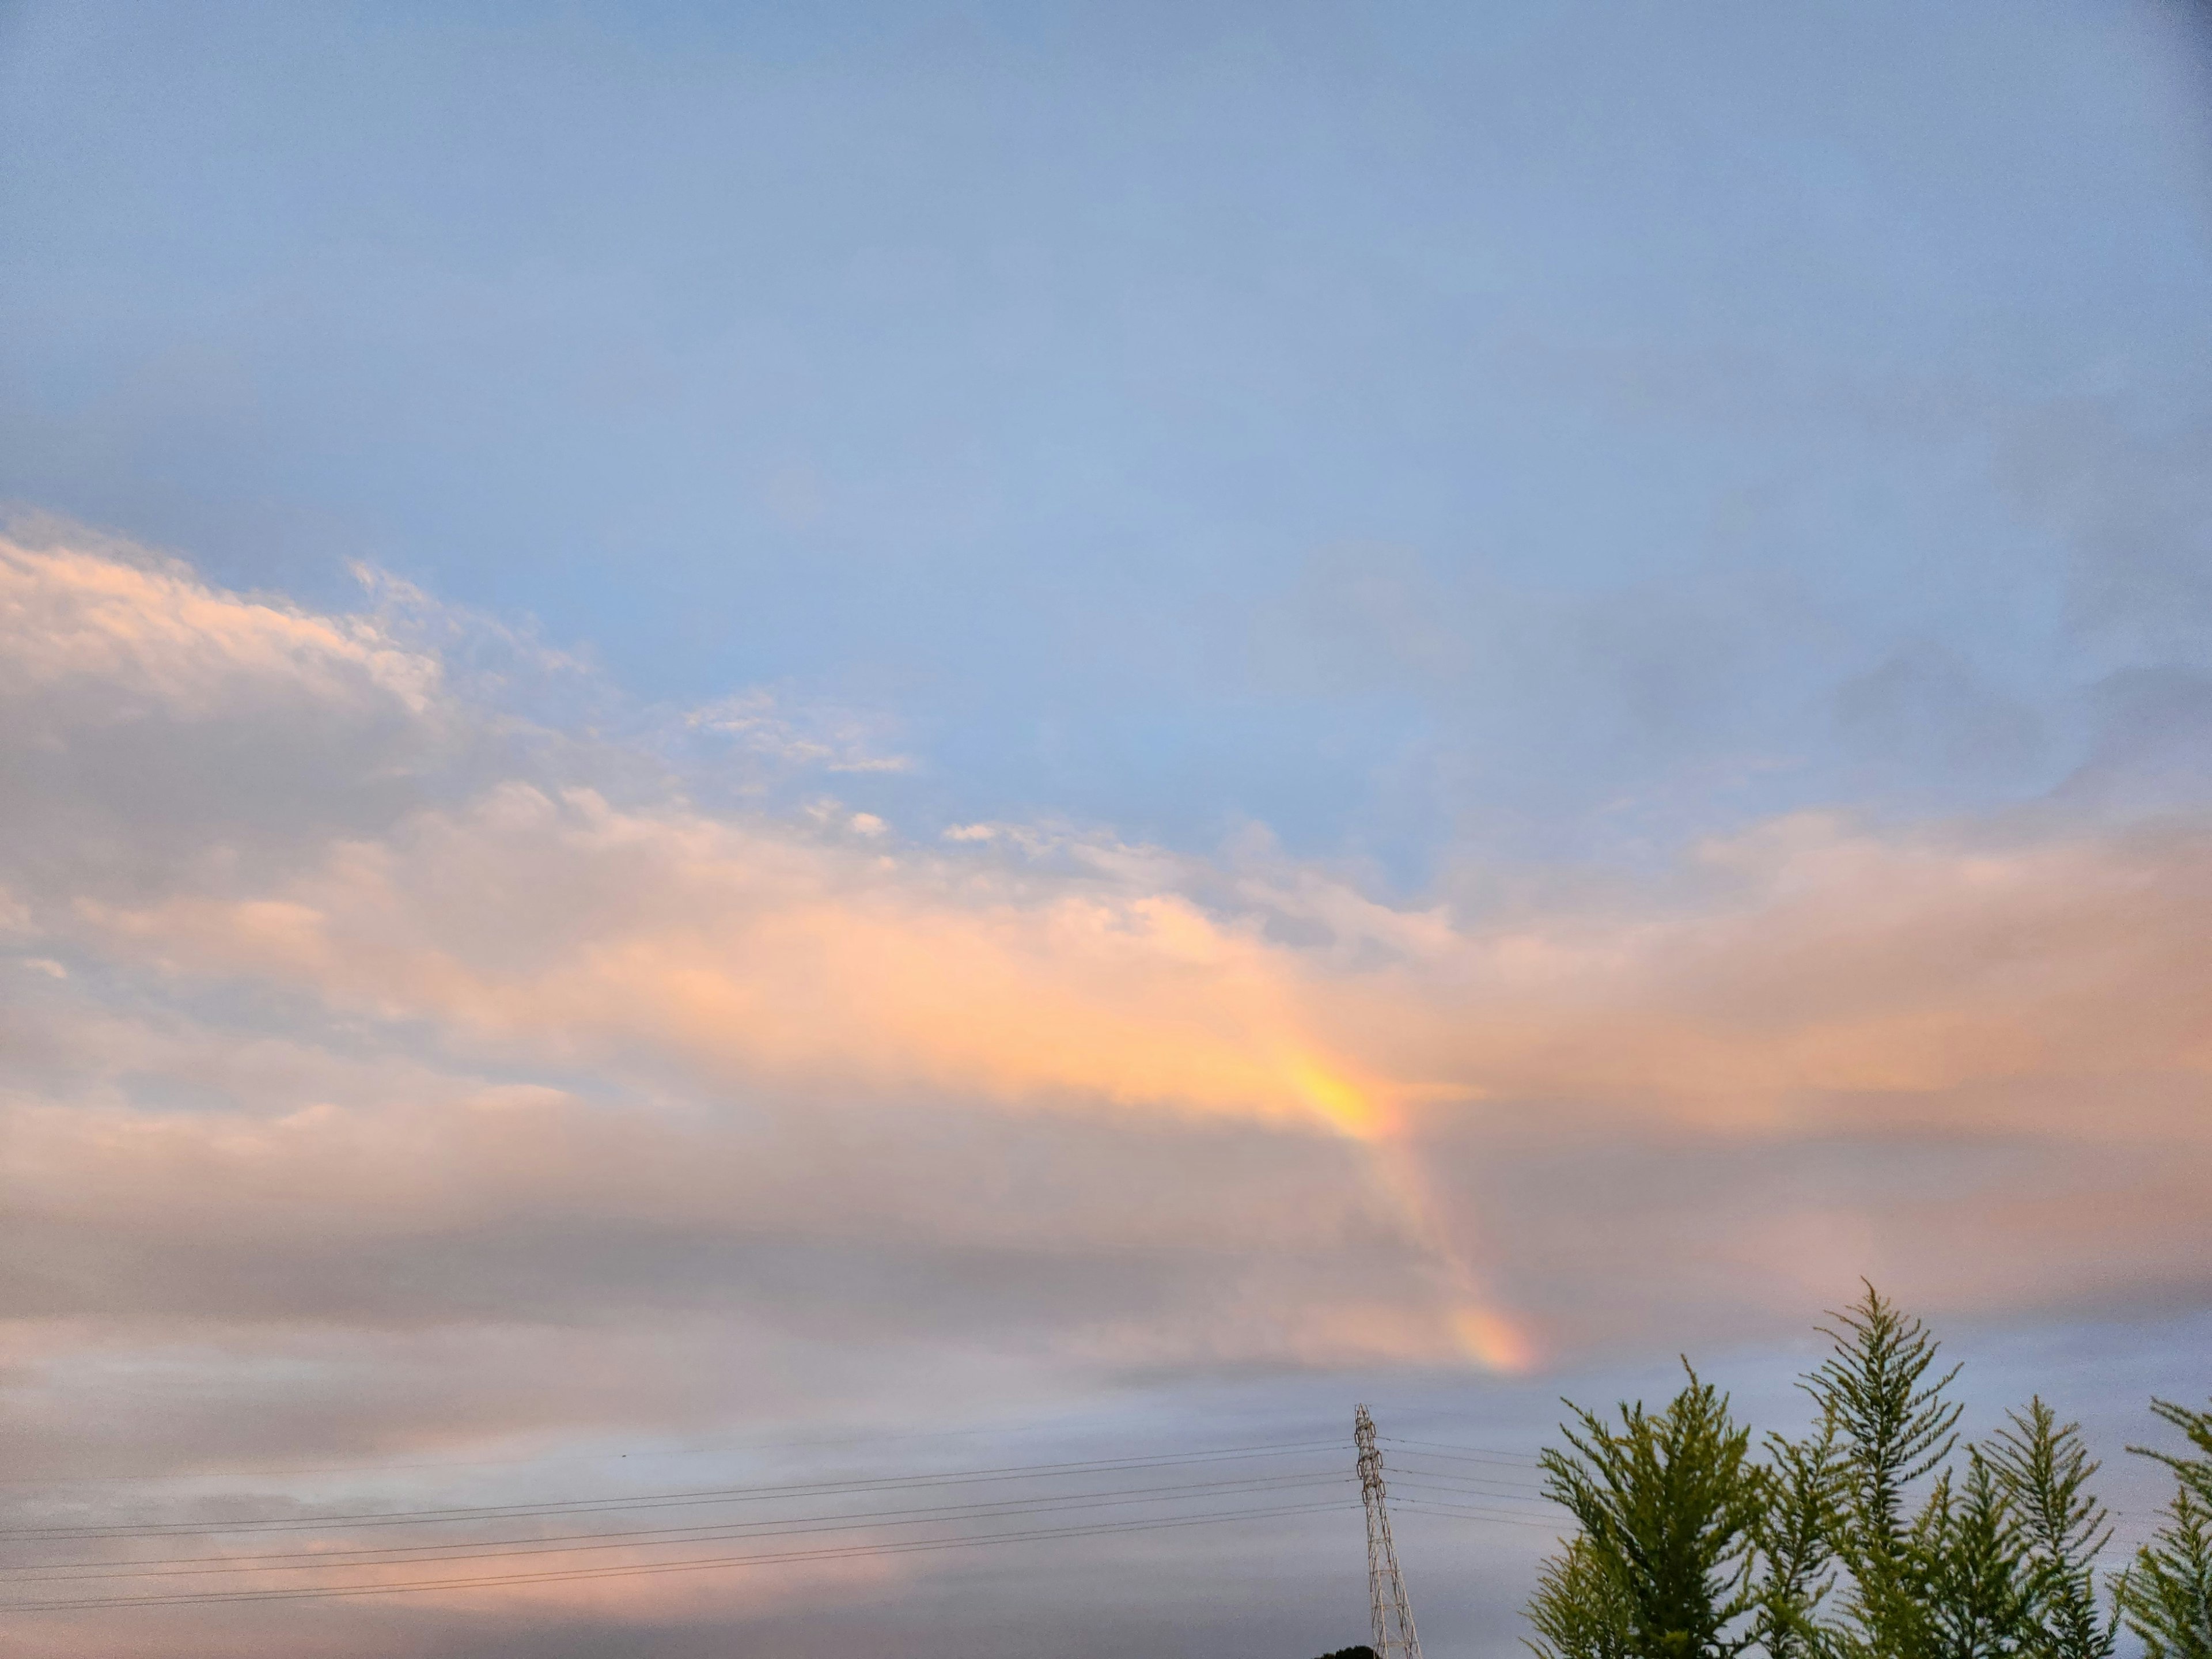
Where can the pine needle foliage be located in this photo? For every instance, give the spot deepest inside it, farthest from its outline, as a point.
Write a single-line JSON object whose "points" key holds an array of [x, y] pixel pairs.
{"points": [[1876, 1536], [1668, 1502], [2046, 1470], [1580, 1610], [2166, 1594], [1971, 1592], [1797, 1571], [1892, 1427], [1895, 1427]]}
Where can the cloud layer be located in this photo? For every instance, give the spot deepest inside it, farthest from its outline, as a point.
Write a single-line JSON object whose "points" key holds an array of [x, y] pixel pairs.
{"points": [[389, 1068]]}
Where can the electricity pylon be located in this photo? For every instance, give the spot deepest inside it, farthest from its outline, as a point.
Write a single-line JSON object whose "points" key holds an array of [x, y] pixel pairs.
{"points": [[1394, 1636]]}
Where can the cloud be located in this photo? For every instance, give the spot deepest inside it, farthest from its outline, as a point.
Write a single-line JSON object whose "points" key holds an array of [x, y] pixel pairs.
{"points": [[769, 727], [142, 638], [151, 721], [1818, 982], [418, 1088]]}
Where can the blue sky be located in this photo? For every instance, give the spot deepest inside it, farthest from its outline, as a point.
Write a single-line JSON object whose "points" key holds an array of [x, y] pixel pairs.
{"points": [[1126, 402], [735, 724]]}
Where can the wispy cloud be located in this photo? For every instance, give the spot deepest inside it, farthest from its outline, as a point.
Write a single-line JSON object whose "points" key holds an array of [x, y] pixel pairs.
{"points": [[771, 726]]}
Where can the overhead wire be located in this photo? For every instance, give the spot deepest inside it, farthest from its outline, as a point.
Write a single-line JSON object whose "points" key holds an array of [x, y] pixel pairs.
{"points": [[1402, 1478], [1457, 1472], [1417, 1481], [1067, 1426], [489, 1549], [1469, 1453], [648, 1500], [1430, 1506], [507, 1580], [1399, 1412]]}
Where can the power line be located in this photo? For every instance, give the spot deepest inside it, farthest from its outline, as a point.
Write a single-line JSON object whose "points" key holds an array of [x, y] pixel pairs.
{"points": [[1473, 1454], [1430, 1506], [1456, 1417], [711, 1449], [1504, 1488], [1445, 1470], [1458, 1496], [849, 1552], [1526, 1504], [492, 1549], [1469, 1494], [651, 1500]]}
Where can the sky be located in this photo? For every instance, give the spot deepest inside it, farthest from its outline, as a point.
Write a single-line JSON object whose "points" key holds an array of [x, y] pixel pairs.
{"points": [[987, 751]]}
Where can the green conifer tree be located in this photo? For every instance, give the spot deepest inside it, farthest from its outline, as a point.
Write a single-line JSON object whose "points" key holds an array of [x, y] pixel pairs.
{"points": [[2166, 1594], [1668, 1504], [1689, 1549], [1797, 1556], [1967, 1566], [1580, 1610], [1894, 1427], [2045, 1470]]}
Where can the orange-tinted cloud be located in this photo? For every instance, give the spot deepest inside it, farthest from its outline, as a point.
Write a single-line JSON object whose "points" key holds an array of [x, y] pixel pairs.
{"points": [[2042, 980]]}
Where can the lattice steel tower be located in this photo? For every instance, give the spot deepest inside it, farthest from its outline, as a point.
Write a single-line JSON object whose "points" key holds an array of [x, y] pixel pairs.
{"points": [[1394, 1636]]}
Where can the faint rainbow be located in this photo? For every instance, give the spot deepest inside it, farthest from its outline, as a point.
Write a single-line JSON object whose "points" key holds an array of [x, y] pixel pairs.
{"points": [[1373, 1118]]}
